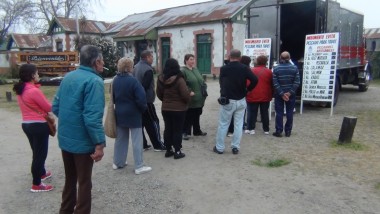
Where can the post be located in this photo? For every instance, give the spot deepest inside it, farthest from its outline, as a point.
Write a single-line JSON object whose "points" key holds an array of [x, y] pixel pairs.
{"points": [[9, 96], [204, 77], [347, 129]]}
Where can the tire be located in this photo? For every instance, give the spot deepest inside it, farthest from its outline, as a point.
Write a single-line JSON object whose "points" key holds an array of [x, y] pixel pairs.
{"points": [[363, 88]]}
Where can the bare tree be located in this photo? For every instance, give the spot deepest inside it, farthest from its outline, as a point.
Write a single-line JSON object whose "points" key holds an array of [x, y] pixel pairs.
{"points": [[12, 12], [48, 9]]}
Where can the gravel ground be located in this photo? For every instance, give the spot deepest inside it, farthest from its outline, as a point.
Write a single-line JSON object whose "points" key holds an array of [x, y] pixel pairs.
{"points": [[319, 179]]}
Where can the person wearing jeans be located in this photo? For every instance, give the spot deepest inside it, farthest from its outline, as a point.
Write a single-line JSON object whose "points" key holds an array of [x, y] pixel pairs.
{"points": [[235, 108], [232, 80]]}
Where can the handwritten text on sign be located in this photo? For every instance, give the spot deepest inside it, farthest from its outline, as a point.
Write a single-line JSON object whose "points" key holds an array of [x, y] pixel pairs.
{"points": [[256, 47]]}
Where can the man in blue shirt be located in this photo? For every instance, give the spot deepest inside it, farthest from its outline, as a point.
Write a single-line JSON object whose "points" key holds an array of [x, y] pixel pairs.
{"points": [[286, 80]]}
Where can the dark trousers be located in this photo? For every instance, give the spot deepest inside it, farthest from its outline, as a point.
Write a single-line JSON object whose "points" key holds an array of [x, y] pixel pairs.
{"points": [[279, 108], [152, 127], [78, 169], [192, 121], [252, 109], [174, 121], [38, 136]]}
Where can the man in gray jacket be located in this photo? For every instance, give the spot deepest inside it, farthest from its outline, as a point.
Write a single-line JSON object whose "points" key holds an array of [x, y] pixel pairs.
{"points": [[143, 72]]}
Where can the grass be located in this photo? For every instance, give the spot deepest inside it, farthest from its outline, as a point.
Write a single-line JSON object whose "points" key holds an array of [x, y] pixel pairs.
{"points": [[271, 163], [352, 146], [49, 92], [375, 82], [377, 186]]}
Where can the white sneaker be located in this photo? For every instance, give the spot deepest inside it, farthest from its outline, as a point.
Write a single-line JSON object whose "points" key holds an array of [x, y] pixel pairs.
{"points": [[252, 132], [142, 170], [230, 134], [116, 167], [266, 133], [247, 131]]}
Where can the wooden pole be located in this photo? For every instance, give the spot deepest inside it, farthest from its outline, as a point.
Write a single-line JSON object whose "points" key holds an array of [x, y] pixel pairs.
{"points": [[9, 96], [347, 129]]}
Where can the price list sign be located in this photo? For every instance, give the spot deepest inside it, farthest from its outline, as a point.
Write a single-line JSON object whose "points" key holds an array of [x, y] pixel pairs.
{"points": [[320, 62]]}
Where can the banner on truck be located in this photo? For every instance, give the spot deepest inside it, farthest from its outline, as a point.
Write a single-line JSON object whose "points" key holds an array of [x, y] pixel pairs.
{"points": [[319, 69], [256, 47]]}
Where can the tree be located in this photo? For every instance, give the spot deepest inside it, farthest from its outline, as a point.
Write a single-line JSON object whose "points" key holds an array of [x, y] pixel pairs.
{"points": [[12, 12], [109, 51], [48, 9]]}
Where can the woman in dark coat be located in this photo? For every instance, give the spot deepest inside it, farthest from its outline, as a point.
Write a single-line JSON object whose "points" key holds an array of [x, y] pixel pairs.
{"points": [[130, 102], [175, 96]]}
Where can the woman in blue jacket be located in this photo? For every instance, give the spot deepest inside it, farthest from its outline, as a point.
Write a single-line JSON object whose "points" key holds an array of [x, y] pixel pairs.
{"points": [[130, 103]]}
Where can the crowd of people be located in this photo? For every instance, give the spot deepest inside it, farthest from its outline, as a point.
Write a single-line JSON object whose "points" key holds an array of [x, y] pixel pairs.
{"points": [[79, 105]]}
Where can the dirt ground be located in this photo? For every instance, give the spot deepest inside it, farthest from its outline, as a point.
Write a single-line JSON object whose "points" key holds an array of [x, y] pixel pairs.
{"points": [[319, 179]]}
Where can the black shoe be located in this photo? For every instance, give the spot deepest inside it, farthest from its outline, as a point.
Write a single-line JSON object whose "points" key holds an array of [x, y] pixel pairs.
{"points": [[216, 151], [200, 134], [163, 148], [235, 151], [277, 134], [179, 155], [185, 137], [287, 134], [147, 147], [169, 154]]}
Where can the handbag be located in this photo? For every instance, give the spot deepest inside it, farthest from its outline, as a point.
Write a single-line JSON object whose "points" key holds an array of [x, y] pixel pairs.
{"points": [[51, 123], [204, 89], [48, 117], [110, 120]]}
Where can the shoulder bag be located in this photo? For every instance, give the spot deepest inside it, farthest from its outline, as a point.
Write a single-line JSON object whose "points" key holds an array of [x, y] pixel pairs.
{"points": [[110, 120]]}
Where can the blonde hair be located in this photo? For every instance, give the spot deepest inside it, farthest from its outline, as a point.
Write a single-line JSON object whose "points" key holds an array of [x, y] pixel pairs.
{"points": [[125, 65]]}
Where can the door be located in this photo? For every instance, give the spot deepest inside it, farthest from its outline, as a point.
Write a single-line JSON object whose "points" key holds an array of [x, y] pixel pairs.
{"points": [[165, 50], [204, 53]]}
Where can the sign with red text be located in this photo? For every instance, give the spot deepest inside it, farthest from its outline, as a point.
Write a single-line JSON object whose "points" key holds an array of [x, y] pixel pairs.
{"points": [[319, 69], [256, 47]]}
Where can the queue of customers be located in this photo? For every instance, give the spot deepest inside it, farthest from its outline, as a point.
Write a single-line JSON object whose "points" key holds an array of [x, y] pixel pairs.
{"points": [[182, 93]]}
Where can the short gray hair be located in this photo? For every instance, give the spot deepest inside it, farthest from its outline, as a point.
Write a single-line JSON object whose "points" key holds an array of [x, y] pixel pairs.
{"points": [[235, 54], [89, 54]]}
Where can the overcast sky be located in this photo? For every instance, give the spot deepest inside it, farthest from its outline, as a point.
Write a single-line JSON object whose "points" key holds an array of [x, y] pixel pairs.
{"points": [[115, 10]]}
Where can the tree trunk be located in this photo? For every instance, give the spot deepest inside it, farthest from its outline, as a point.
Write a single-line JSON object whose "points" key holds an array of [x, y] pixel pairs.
{"points": [[347, 130]]}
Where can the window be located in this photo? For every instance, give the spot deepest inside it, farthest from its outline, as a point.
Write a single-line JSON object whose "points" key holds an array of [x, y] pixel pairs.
{"points": [[59, 46]]}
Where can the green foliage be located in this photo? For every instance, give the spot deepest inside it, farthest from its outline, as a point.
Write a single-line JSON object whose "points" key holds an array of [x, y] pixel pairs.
{"points": [[109, 51], [271, 163], [377, 186], [353, 146]]}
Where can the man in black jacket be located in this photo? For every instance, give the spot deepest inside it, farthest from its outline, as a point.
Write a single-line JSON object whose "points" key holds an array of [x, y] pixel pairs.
{"points": [[233, 89]]}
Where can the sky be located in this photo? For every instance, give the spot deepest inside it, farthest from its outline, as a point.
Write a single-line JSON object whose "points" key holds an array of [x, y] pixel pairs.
{"points": [[115, 10]]}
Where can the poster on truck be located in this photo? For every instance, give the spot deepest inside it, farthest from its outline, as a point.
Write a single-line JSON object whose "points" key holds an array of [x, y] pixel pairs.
{"points": [[256, 47], [319, 70]]}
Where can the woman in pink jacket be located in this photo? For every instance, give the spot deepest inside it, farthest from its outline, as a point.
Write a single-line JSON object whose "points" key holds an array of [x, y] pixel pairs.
{"points": [[260, 96], [34, 106]]}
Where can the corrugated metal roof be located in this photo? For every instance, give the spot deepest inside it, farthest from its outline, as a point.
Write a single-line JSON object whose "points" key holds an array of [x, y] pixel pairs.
{"points": [[87, 26], [29, 41], [372, 33], [140, 24]]}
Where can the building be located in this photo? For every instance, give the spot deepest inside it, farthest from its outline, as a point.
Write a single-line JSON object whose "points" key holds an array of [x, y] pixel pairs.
{"points": [[208, 30]]}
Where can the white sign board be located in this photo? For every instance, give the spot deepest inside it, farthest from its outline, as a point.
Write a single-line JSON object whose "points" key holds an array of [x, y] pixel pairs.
{"points": [[319, 69], [256, 47]]}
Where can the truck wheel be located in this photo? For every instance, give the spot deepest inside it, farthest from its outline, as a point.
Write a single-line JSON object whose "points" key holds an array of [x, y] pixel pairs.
{"points": [[363, 88]]}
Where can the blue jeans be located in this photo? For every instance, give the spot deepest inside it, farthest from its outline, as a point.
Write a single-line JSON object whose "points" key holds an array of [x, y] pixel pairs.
{"points": [[122, 143], [235, 108], [279, 107]]}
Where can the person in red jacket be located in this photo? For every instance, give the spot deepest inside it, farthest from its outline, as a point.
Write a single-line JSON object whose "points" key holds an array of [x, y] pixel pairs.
{"points": [[260, 96]]}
